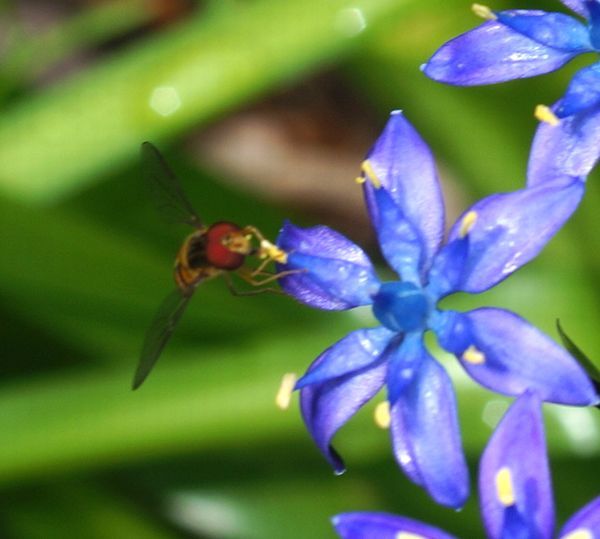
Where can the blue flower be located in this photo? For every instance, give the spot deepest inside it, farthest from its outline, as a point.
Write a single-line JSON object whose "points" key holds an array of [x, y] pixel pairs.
{"points": [[496, 347], [520, 43], [515, 44], [514, 490]]}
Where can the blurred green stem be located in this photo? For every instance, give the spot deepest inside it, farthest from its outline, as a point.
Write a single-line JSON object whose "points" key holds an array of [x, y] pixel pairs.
{"points": [[218, 399], [28, 54], [188, 75], [85, 510]]}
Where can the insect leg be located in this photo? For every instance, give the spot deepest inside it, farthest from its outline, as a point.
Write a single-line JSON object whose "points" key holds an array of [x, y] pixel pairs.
{"points": [[259, 270], [249, 275], [235, 292]]}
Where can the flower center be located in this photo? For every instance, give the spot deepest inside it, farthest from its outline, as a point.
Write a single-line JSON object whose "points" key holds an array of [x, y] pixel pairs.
{"points": [[401, 306]]}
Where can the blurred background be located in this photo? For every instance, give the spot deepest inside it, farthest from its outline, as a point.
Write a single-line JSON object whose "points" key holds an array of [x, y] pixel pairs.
{"points": [[265, 109]]}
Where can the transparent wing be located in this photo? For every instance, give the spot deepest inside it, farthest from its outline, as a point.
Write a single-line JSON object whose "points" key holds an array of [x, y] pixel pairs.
{"points": [[159, 333], [168, 194]]}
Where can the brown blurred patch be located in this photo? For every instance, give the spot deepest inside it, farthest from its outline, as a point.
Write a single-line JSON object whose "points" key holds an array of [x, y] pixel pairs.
{"points": [[301, 149]]}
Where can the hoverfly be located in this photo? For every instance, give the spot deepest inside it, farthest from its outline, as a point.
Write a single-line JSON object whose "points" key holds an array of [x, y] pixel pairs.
{"points": [[209, 251]]}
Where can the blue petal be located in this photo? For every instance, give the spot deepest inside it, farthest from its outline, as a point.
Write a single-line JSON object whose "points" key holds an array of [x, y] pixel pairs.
{"points": [[447, 271], [361, 348], [326, 407], [565, 151], [425, 431], [334, 273], [578, 6], [400, 243], [593, 8], [518, 447], [514, 356], [512, 228], [492, 53], [382, 526], [517, 526], [403, 164], [587, 518], [404, 362], [554, 30], [583, 92]]}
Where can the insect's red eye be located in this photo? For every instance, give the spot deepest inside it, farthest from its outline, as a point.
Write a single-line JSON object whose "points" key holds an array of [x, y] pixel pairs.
{"points": [[217, 254]]}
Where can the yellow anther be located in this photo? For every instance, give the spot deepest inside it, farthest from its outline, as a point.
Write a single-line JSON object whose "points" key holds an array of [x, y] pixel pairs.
{"points": [[381, 416], [370, 174], [360, 180], [467, 223], [484, 12], [473, 355], [272, 252], [545, 114], [579, 533], [409, 535], [286, 388], [504, 487]]}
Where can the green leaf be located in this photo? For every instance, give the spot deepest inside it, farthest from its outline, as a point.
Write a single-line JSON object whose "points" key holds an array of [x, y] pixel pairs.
{"points": [[587, 364], [78, 509]]}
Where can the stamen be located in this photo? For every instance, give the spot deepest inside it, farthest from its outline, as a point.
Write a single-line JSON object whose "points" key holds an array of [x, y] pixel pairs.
{"points": [[409, 535], [286, 388], [381, 416], [268, 250], [504, 487], [360, 180], [545, 114], [370, 174], [473, 355], [467, 223], [484, 12], [579, 533]]}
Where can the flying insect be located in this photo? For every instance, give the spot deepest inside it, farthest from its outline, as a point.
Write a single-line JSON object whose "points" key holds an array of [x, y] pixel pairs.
{"points": [[220, 249]]}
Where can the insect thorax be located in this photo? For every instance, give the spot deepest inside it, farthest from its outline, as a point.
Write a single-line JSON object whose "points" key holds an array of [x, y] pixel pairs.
{"points": [[196, 251], [191, 265]]}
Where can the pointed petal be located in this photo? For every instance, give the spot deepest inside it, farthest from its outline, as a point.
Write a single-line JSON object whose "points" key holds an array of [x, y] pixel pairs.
{"points": [[334, 273], [569, 150], [447, 271], [400, 243], [404, 165], [383, 526], [493, 52], [554, 30], [404, 363], [586, 519], [514, 468], [326, 407], [508, 355], [578, 6], [358, 350], [512, 228], [583, 92], [425, 431], [593, 8]]}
